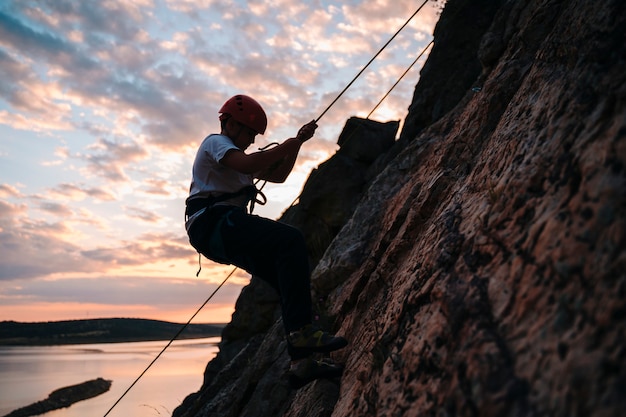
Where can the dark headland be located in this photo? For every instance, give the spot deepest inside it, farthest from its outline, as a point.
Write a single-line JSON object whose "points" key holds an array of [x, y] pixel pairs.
{"points": [[112, 330], [64, 397]]}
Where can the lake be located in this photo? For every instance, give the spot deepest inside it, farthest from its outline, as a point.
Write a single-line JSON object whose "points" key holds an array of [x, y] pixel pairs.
{"points": [[30, 373]]}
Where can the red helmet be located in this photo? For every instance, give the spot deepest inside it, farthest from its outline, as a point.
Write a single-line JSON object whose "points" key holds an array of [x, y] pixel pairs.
{"points": [[245, 110]]}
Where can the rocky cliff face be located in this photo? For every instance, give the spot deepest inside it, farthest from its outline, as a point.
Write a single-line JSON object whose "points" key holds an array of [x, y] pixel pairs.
{"points": [[483, 269]]}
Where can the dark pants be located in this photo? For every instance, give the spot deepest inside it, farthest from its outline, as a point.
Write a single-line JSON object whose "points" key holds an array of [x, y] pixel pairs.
{"points": [[270, 250]]}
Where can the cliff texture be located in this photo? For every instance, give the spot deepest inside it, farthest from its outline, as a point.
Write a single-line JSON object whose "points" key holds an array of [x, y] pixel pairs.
{"points": [[483, 270]]}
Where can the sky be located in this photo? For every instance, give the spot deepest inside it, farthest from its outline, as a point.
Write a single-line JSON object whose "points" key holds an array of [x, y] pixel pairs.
{"points": [[104, 103]]}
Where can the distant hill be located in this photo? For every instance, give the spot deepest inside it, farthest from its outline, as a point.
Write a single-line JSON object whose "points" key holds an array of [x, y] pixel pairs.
{"points": [[99, 331]]}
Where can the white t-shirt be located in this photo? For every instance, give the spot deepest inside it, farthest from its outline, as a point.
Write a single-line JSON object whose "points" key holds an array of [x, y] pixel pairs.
{"points": [[210, 178]]}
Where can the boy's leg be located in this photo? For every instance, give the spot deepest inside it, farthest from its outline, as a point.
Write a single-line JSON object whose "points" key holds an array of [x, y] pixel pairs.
{"points": [[276, 253]]}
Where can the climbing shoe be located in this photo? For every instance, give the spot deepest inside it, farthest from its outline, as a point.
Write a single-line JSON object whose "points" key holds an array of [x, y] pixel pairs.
{"points": [[310, 340], [308, 370]]}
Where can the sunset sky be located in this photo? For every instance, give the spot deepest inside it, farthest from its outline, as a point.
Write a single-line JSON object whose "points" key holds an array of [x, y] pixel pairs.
{"points": [[103, 105]]}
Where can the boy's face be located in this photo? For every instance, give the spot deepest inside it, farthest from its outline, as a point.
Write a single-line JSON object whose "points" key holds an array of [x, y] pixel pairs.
{"points": [[241, 135]]}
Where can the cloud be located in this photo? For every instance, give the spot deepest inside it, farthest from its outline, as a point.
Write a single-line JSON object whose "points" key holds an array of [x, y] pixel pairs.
{"points": [[109, 158], [192, 7], [56, 209], [7, 190], [15, 32], [78, 192], [113, 98], [143, 215], [144, 250], [121, 291], [8, 210], [158, 187], [129, 70], [34, 249]]}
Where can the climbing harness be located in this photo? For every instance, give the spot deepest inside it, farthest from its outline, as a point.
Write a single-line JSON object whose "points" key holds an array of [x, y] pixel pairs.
{"points": [[252, 194], [197, 207]]}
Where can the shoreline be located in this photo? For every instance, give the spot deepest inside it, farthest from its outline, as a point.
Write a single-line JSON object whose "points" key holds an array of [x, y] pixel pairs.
{"points": [[95, 331], [34, 343]]}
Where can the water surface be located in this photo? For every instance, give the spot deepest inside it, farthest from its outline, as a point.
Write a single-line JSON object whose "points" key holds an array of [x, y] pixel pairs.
{"points": [[30, 374]]}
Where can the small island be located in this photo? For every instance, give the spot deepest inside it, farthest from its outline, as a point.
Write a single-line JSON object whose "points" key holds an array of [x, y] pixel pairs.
{"points": [[64, 397]]}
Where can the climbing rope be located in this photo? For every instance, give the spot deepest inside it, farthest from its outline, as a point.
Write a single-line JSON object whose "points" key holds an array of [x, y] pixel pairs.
{"points": [[235, 268], [400, 79], [370, 61], [171, 341], [354, 132]]}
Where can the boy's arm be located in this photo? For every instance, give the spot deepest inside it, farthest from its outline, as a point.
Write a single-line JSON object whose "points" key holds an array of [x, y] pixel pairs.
{"points": [[272, 165]]}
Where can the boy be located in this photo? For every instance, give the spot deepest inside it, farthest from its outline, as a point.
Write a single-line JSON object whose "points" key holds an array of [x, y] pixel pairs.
{"points": [[220, 227]]}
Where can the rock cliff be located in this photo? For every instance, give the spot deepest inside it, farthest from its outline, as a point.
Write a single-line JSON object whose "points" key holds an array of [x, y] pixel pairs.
{"points": [[481, 269]]}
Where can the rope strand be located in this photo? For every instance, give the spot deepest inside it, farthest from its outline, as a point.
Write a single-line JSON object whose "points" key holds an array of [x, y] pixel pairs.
{"points": [[171, 341], [380, 102], [371, 60], [400, 79]]}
